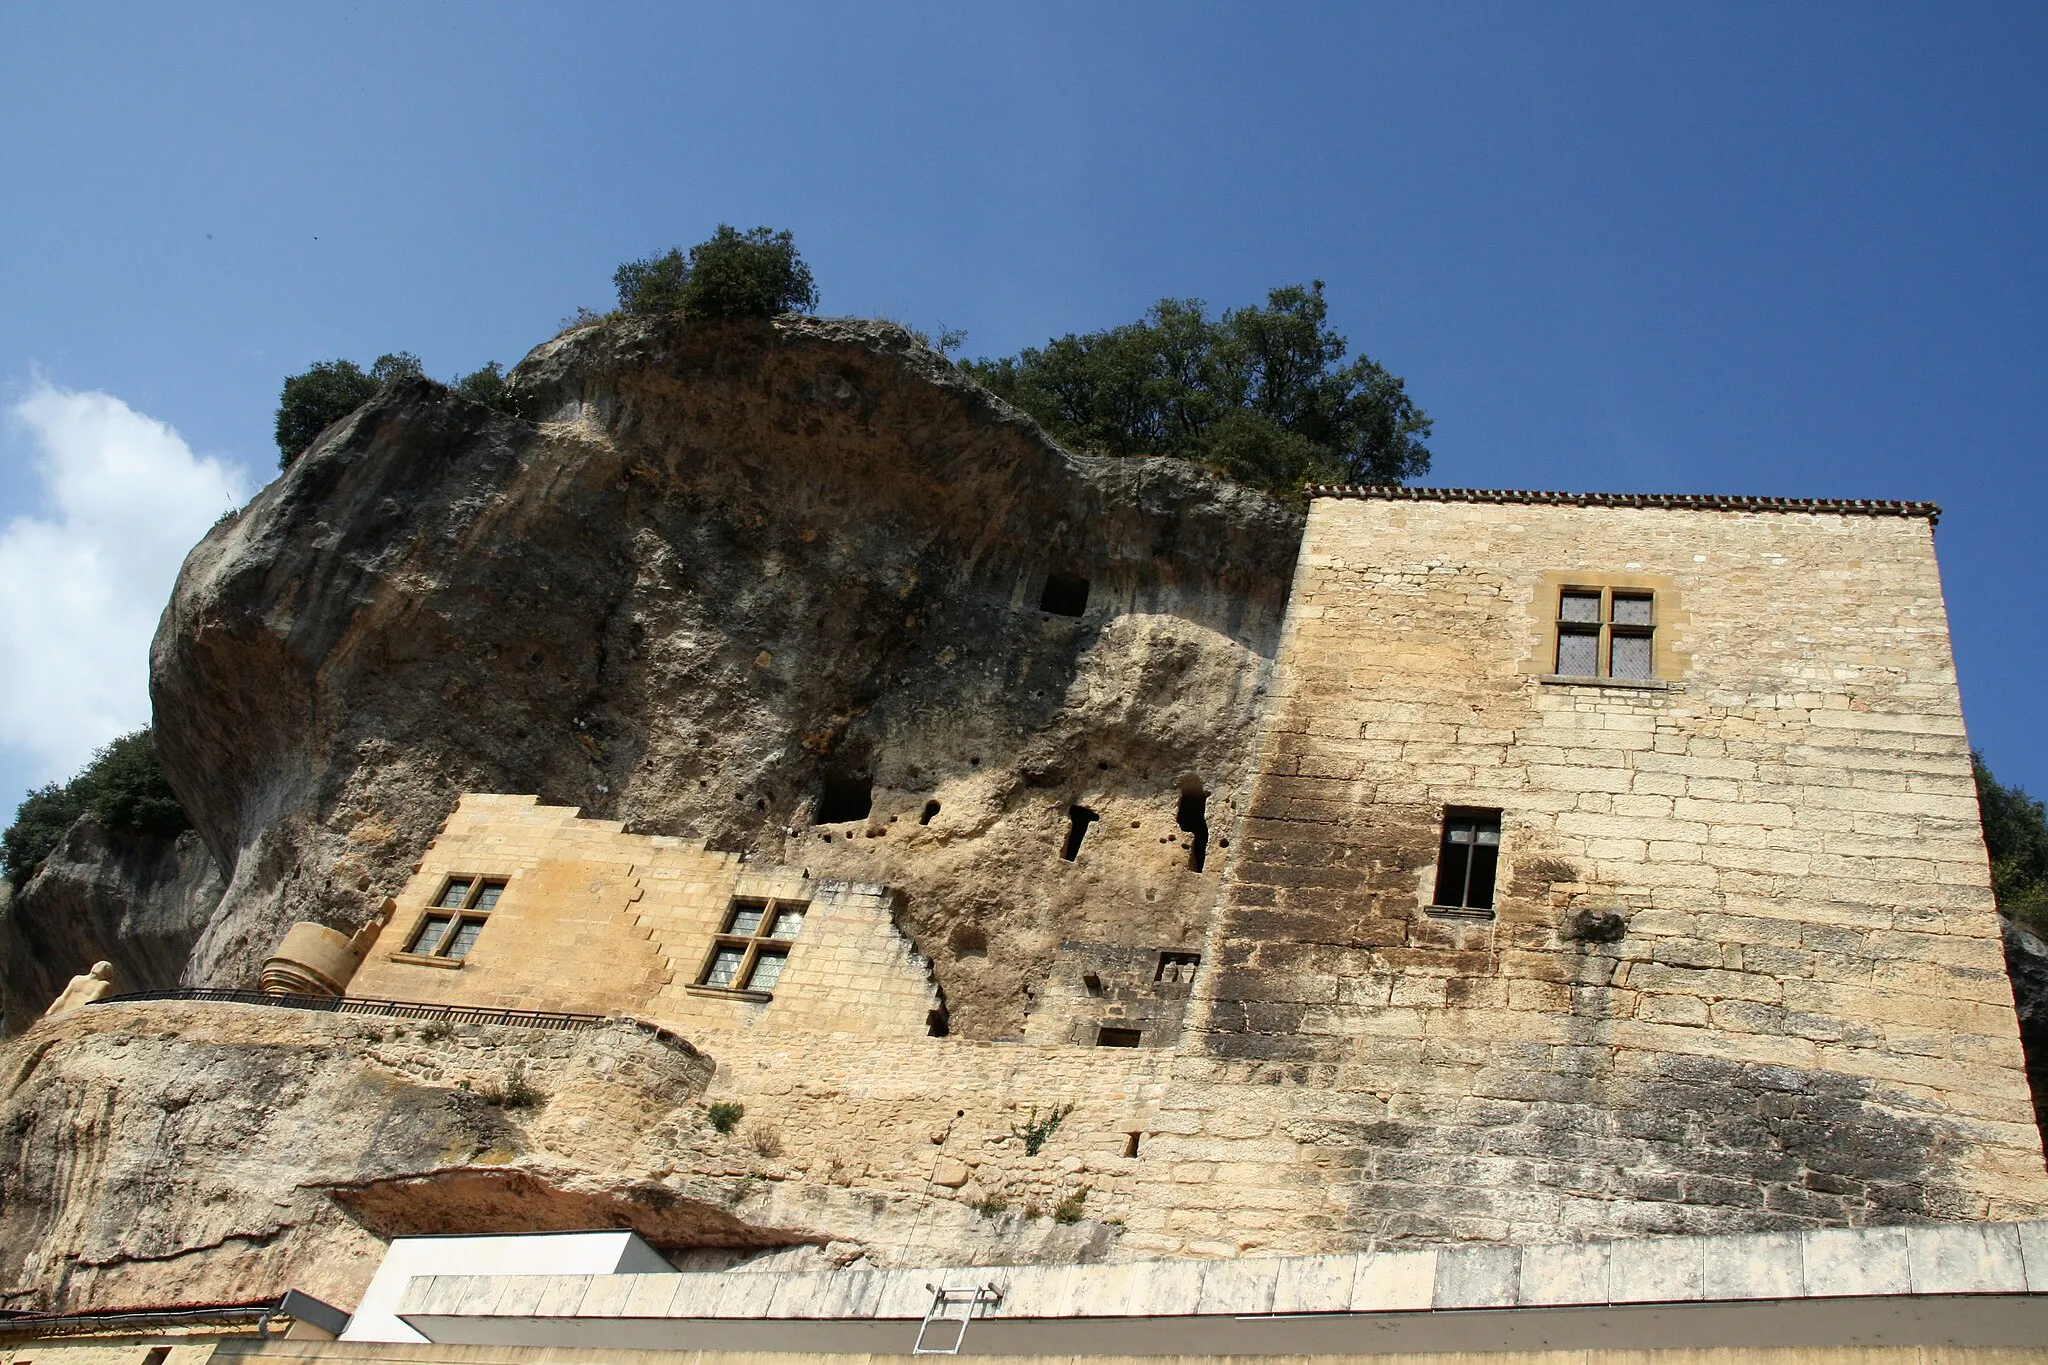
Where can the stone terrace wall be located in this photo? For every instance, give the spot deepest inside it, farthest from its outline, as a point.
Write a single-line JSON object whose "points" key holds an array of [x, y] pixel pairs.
{"points": [[1807, 1020]]}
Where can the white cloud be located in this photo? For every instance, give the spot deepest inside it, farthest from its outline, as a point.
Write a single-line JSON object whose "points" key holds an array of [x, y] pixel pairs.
{"points": [[82, 584]]}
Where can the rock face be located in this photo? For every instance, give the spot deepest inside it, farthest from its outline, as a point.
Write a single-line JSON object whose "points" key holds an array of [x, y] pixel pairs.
{"points": [[739, 580], [192, 1152], [139, 903], [2026, 962]]}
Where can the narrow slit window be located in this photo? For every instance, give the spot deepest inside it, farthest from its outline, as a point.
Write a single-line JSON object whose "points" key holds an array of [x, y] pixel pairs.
{"points": [[1078, 820], [1131, 1144], [752, 952], [1193, 819], [1467, 860]]}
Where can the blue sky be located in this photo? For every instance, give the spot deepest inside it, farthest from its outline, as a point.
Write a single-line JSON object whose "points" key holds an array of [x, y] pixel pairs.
{"points": [[1727, 248]]}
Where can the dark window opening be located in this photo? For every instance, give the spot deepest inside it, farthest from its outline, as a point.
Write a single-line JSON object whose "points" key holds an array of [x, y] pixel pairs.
{"points": [[1130, 1144], [1177, 967], [1194, 819], [1065, 595], [1078, 820], [157, 1355], [937, 1023], [1467, 860], [1092, 982], [1117, 1037], [931, 810], [846, 798]]}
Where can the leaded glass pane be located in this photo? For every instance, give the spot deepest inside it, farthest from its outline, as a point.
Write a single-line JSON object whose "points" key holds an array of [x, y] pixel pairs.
{"points": [[1578, 654], [725, 967], [787, 922], [465, 937], [767, 971], [429, 936], [746, 919], [1631, 611], [457, 892], [1579, 606], [1631, 656], [488, 897]]}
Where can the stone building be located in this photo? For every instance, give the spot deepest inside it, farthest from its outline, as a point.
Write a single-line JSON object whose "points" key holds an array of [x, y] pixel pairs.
{"points": [[1606, 865]]}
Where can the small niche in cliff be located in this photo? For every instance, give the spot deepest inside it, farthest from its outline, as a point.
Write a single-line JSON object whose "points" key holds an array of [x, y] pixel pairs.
{"points": [[844, 799], [1065, 594], [1193, 818], [1078, 820], [931, 810]]}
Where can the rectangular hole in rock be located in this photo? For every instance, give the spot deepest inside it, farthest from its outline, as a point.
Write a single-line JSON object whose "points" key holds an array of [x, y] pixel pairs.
{"points": [[845, 798], [1078, 820], [1065, 594], [1117, 1037], [937, 1023], [1193, 818]]}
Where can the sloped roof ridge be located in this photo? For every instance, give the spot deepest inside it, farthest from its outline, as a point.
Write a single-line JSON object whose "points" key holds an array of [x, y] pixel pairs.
{"points": [[1705, 502]]}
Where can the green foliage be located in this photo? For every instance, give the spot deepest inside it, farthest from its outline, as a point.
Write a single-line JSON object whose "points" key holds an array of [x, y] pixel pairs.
{"points": [[653, 285], [517, 1092], [39, 822], [992, 1205], [1035, 1132], [122, 787], [326, 393], [725, 1115], [733, 274], [1259, 394], [487, 386], [1068, 1210], [2016, 836]]}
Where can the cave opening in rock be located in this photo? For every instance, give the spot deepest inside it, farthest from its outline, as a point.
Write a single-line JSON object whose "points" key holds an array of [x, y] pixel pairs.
{"points": [[938, 1023], [931, 810], [1194, 819], [845, 798], [1065, 594], [1078, 820]]}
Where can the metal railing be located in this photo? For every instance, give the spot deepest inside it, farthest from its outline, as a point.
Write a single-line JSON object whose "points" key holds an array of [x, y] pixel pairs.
{"points": [[398, 1009]]}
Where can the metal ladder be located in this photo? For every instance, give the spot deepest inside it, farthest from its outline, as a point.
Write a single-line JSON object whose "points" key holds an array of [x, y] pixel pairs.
{"points": [[970, 1300]]}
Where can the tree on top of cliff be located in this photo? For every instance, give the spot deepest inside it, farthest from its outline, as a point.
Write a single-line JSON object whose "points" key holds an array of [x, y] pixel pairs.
{"points": [[2016, 837], [332, 389], [1259, 394], [122, 787], [326, 393], [733, 274]]}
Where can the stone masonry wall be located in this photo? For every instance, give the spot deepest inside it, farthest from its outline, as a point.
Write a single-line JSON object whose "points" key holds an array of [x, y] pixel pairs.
{"points": [[599, 921], [1806, 1019]]}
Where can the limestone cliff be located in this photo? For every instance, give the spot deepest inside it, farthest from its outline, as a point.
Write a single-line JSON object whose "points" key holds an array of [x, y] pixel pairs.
{"points": [[194, 1152], [139, 902], [725, 567]]}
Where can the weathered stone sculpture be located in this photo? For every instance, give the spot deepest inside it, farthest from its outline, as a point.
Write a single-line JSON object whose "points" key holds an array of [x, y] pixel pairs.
{"points": [[83, 989]]}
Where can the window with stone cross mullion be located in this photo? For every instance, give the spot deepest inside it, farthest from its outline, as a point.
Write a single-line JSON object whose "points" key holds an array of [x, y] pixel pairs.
{"points": [[752, 950], [1605, 633]]}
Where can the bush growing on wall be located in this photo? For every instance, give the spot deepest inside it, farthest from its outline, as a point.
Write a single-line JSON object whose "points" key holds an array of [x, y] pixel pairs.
{"points": [[124, 789]]}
